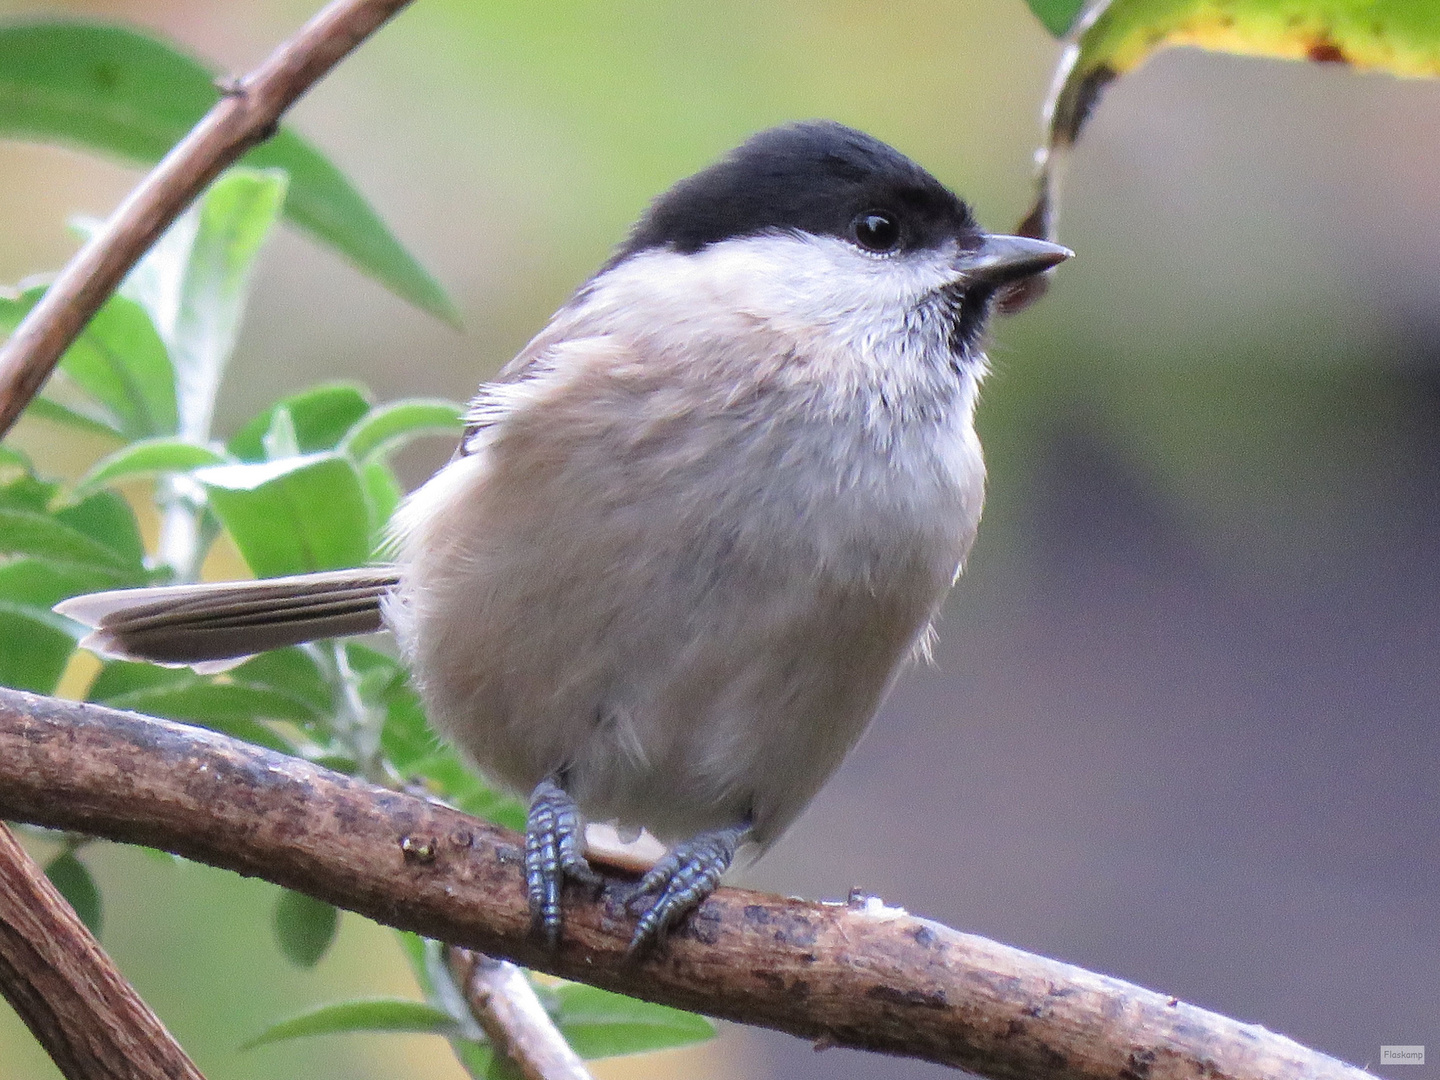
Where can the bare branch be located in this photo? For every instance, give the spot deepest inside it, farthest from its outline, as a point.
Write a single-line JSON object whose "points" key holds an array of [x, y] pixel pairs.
{"points": [[855, 974], [68, 991], [248, 114], [505, 1004]]}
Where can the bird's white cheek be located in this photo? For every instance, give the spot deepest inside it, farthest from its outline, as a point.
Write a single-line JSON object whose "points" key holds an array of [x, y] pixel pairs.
{"points": [[815, 287]]}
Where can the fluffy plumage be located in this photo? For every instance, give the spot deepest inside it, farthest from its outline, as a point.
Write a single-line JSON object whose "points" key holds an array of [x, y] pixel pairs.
{"points": [[689, 546], [696, 527]]}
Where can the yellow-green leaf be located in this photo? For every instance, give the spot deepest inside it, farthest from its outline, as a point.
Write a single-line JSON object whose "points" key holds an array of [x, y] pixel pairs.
{"points": [[1113, 37]]}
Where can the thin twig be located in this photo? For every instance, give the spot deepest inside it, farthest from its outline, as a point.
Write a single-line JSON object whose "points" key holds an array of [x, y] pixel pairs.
{"points": [[247, 115], [856, 974], [68, 991], [503, 1001]]}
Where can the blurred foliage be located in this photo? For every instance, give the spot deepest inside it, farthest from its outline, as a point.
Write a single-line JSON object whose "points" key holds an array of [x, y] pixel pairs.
{"points": [[305, 485], [112, 89], [304, 927], [1057, 15], [74, 882]]}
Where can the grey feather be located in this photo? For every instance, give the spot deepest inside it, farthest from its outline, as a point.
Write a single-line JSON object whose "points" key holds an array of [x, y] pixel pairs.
{"points": [[200, 624]]}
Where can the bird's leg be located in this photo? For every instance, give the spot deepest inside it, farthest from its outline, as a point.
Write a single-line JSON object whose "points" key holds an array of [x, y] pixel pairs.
{"points": [[682, 879], [554, 838]]}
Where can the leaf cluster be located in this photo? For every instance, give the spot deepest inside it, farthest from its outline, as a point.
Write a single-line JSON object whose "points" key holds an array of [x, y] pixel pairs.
{"points": [[305, 485]]}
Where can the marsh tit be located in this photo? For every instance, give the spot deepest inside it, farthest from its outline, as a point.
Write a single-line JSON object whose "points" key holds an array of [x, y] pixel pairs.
{"points": [[695, 528]]}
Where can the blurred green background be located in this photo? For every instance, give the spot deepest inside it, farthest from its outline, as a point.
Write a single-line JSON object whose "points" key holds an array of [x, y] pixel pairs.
{"points": [[1182, 725]]}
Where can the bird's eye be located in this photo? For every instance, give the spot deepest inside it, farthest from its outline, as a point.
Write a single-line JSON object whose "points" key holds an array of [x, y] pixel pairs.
{"points": [[876, 230]]}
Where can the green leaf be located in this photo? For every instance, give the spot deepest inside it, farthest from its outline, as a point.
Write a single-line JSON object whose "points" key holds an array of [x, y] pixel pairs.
{"points": [[228, 707], [107, 518], [291, 672], [391, 426], [120, 677], [24, 532], [165, 858], [148, 458], [598, 1023], [1057, 15], [480, 1062], [194, 281], [119, 360], [41, 585], [304, 927], [35, 646], [35, 643], [406, 739], [372, 1014], [383, 492], [19, 489], [294, 515], [121, 92], [49, 409], [321, 416], [73, 881], [324, 204]]}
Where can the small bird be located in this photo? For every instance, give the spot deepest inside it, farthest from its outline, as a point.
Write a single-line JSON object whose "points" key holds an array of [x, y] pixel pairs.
{"points": [[694, 529]]}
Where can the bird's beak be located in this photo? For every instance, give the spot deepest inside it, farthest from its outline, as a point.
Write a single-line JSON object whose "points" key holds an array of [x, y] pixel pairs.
{"points": [[1003, 260]]}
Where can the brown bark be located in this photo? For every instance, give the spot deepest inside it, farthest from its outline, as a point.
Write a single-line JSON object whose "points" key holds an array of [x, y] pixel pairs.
{"points": [[68, 991], [854, 974], [246, 115]]}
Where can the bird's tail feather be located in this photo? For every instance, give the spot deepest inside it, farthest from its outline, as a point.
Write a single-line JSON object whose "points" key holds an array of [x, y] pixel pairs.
{"points": [[229, 620]]}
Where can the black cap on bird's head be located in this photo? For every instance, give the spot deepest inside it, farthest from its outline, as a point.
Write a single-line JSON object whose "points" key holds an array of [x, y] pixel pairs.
{"points": [[826, 179]]}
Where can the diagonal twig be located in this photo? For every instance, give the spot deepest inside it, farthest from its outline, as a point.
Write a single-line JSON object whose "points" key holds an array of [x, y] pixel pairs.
{"points": [[68, 990], [506, 1005], [856, 974], [247, 115]]}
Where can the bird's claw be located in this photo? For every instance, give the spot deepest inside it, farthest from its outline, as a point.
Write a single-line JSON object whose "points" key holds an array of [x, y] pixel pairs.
{"points": [[554, 838], [681, 881]]}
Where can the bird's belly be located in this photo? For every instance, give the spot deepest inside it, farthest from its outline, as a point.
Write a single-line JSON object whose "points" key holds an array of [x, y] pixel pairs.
{"points": [[684, 661], [744, 705]]}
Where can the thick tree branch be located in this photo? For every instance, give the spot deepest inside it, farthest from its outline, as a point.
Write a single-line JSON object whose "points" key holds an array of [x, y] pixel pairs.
{"points": [[507, 1007], [68, 991], [855, 974], [246, 115]]}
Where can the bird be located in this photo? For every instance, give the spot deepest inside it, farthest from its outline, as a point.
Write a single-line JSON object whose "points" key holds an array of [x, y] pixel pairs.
{"points": [[694, 529]]}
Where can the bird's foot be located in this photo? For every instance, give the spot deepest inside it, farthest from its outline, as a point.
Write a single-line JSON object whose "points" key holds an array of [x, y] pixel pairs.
{"points": [[554, 839], [682, 879]]}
